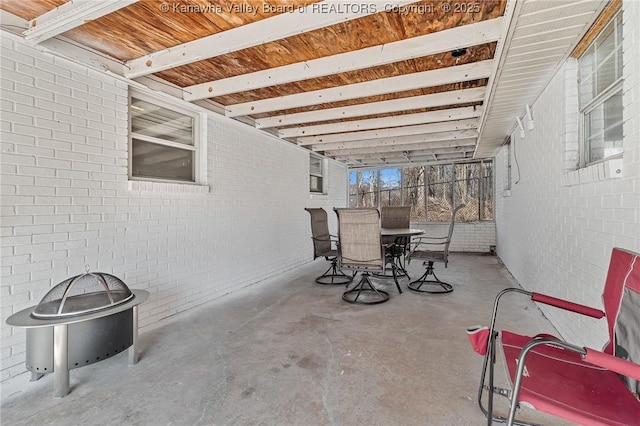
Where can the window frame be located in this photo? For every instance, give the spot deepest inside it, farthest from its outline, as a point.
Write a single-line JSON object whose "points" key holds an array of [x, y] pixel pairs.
{"points": [[482, 189], [199, 135], [607, 93], [322, 175]]}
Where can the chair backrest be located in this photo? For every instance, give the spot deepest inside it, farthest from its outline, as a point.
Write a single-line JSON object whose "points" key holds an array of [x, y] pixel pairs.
{"points": [[621, 298], [319, 231], [359, 245], [453, 221], [395, 216]]}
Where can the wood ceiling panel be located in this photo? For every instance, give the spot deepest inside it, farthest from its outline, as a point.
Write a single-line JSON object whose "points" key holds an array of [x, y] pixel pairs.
{"points": [[386, 97], [145, 27], [30, 9], [373, 30], [443, 60]]}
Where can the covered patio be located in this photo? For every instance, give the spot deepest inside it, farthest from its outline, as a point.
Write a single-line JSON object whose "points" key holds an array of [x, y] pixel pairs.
{"points": [[176, 145], [290, 352]]}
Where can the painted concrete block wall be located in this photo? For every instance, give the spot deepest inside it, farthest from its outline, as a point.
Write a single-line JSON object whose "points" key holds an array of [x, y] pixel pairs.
{"points": [[471, 237], [556, 230], [67, 201]]}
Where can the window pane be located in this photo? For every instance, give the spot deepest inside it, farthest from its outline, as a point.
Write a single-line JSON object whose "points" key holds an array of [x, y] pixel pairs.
{"points": [[390, 192], [152, 160], [315, 183], [587, 84], [467, 191], [315, 165], [368, 188], [439, 196], [353, 189], [606, 67], [604, 129], [413, 192], [487, 192], [158, 122]]}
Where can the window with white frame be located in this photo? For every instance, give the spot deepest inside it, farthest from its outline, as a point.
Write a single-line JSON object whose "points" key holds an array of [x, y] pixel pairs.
{"points": [[600, 84], [432, 191], [165, 139], [317, 171]]}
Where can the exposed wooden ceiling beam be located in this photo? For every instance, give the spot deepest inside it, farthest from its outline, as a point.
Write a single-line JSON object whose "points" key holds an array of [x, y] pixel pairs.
{"points": [[397, 143], [260, 32], [420, 129], [70, 15], [395, 105], [362, 148], [398, 153], [401, 83], [429, 44], [384, 122]]}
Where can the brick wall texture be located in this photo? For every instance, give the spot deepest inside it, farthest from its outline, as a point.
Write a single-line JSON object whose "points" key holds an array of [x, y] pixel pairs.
{"points": [[556, 237]]}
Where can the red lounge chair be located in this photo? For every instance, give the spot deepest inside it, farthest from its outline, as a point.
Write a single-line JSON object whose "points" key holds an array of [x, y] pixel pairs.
{"points": [[580, 384]]}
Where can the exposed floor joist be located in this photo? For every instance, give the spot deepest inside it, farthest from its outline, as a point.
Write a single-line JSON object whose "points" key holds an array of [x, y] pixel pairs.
{"points": [[473, 71], [429, 44], [70, 15], [260, 32], [372, 108]]}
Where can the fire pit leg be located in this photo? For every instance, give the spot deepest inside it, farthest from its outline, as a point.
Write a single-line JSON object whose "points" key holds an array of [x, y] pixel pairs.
{"points": [[133, 350], [60, 361]]}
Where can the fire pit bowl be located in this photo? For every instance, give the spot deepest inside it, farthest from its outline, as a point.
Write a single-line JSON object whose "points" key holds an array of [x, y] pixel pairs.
{"points": [[82, 320]]}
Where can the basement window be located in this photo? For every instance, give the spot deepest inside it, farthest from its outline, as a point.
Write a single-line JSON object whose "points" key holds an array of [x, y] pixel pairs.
{"points": [[166, 140], [600, 84]]}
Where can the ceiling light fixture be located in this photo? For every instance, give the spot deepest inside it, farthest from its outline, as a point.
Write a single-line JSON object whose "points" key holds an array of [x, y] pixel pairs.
{"points": [[530, 125], [458, 52]]}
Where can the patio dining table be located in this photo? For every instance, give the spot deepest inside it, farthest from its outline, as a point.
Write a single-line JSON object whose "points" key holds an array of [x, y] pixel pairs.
{"points": [[398, 260]]}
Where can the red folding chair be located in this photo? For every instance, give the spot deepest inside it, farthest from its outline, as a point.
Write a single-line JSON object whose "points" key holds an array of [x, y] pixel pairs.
{"points": [[580, 384]]}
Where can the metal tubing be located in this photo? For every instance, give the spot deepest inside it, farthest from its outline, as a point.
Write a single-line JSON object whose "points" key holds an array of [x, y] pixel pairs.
{"points": [[490, 358], [521, 365], [60, 361], [133, 350]]}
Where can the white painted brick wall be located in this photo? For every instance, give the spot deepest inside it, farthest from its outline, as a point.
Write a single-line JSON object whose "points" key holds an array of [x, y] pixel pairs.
{"points": [[67, 202], [557, 238]]}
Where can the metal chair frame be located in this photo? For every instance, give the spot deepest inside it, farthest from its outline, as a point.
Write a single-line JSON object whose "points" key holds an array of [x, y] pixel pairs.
{"points": [[429, 257], [323, 246], [610, 363], [363, 292]]}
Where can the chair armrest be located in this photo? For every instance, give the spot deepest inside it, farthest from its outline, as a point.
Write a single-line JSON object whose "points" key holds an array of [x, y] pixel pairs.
{"points": [[419, 239], [613, 363], [567, 305]]}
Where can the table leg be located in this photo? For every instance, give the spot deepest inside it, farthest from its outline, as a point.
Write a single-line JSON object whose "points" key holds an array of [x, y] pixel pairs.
{"points": [[60, 361]]}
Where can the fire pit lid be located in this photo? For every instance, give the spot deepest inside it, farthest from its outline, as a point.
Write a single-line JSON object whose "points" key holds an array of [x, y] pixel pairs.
{"points": [[83, 294]]}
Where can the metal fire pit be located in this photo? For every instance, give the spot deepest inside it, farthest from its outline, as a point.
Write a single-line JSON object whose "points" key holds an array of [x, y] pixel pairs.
{"points": [[84, 319]]}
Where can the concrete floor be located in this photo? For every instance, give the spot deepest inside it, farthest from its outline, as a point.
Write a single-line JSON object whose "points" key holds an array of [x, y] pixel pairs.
{"points": [[288, 351]]}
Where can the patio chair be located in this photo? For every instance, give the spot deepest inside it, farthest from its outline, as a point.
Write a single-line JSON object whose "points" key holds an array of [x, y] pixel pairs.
{"points": [[360, 249], [323, 246], [396, 217], [431, 250], [576, 383]]}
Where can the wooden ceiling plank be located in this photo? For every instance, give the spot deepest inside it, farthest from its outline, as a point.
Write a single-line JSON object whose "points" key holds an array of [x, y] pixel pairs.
{"points": [[475, 94], [471, 123], [417, 149], [436, 142], [429, 44], [472, 71], [260, 32], [390, 142], [70, 15], [379, 123]]}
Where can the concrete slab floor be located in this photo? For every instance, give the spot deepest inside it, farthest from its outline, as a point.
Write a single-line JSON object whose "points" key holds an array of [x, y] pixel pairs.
{"points": [[287, 351]]}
